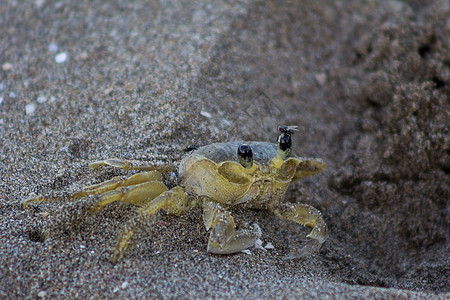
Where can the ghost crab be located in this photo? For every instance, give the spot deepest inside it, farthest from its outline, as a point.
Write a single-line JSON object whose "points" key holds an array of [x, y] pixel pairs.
{"points": [[217, 176]]}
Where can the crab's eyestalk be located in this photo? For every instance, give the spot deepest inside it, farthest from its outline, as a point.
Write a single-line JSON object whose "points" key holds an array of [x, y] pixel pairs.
{"points": [[245, 156], [284, 141]]}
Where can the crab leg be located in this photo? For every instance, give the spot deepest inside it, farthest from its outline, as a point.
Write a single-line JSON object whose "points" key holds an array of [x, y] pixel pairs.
{"points": [[117, 182], [309, 167], [139, 194], [128, 165], [155, 188], [224, 239], [173, 201], [308, 216]]}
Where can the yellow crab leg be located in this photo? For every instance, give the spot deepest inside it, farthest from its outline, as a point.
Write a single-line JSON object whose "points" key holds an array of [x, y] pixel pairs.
{"points": [[174, 201], [116, 182], [103, 187], [139, 194], [305, 215], [128, 165]]}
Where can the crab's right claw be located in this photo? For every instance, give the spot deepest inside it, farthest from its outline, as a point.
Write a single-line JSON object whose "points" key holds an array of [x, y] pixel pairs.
{"points": [[224, 239]]}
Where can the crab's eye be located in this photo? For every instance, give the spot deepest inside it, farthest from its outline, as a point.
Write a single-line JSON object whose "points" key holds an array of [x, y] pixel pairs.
{"points": [[245, 156], [285, 142]]}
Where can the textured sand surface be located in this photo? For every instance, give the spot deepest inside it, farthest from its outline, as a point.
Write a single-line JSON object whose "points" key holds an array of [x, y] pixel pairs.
{"points": [[367, 82]]}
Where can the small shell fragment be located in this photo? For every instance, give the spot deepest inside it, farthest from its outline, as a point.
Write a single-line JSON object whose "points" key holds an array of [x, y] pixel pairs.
{"points": [[7, 66], [30, 108], [258, 245], [206, 114], [269, 246], [61, 57]]}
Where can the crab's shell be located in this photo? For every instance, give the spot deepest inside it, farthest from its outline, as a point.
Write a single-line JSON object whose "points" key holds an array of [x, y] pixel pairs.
{"points": [[214, 171], [263, 152]]}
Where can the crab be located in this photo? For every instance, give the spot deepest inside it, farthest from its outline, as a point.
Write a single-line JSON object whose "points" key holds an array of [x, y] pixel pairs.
{"points": [[216, 177]]}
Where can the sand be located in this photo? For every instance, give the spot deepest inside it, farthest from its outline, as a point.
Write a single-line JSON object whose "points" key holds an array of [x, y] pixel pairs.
{"points": [[367, 82]]}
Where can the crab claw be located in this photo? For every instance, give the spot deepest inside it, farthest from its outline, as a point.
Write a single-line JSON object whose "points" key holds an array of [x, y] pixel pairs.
{"points": [[224, 239]]}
